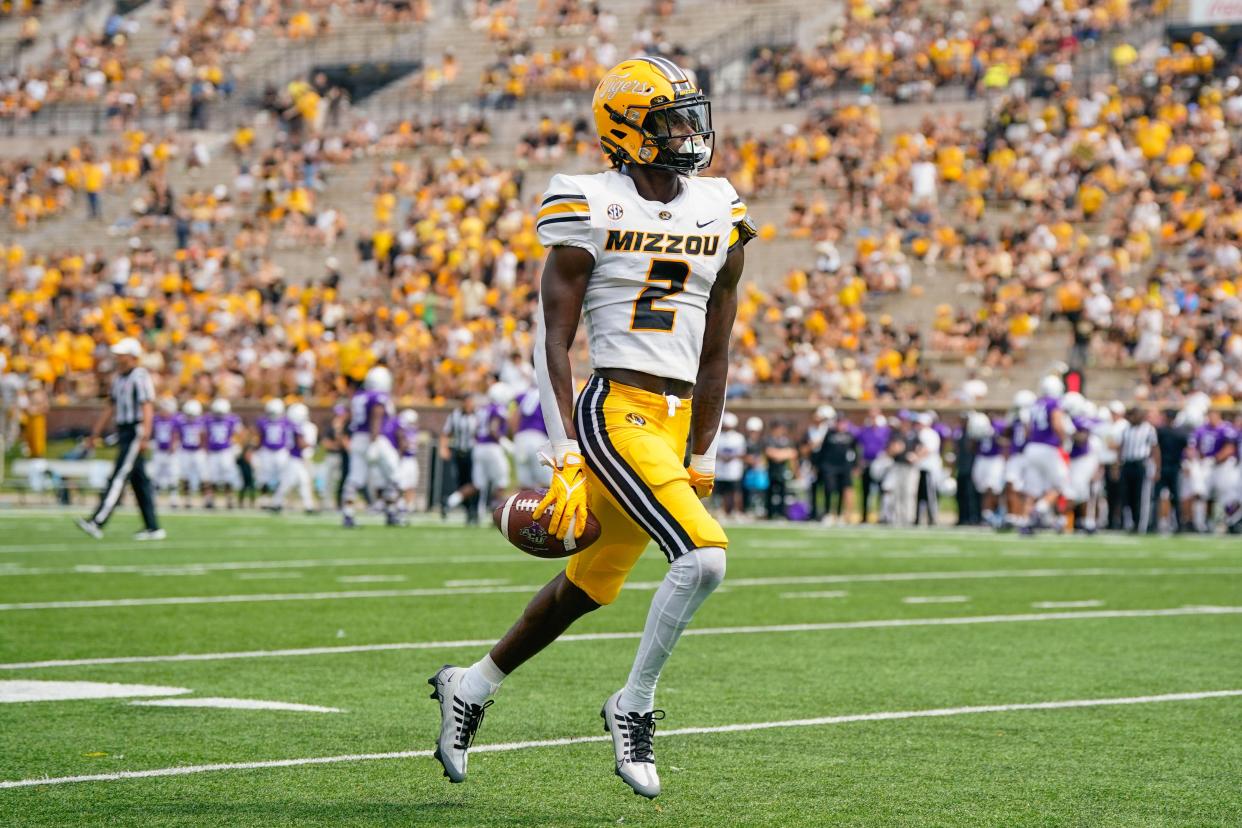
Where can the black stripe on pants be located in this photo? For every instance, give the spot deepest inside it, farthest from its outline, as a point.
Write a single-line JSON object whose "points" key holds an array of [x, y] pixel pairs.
{"points": [[130, 468]]}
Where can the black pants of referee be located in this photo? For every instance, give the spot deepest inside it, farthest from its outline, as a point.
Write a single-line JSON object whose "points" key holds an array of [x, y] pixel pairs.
{"points": [[1136, 493], [130, 468], [1171, 482], [463, 474], [926, 500]]}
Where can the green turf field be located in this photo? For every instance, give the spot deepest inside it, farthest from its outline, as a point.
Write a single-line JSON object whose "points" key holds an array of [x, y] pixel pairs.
{"points": [[964, 644]]}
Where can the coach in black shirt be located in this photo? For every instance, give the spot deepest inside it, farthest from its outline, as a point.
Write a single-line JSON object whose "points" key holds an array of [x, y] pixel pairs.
{"points": [[133, 408], [1172, 440], [834, 466]]}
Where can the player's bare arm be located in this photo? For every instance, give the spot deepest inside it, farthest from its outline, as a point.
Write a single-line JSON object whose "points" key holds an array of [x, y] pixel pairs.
{"points": [[709, 386], [562, 289]]}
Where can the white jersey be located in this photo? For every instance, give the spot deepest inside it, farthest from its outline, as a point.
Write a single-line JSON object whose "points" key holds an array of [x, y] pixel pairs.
{"points": [[730, 456], [655, 265]]}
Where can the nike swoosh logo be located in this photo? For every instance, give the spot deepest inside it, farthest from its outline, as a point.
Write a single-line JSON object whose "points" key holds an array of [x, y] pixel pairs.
{"points": [[702, 224]]}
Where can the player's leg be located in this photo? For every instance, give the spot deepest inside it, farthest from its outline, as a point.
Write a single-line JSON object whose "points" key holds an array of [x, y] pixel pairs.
{"points": [[639, 459], [288, 480], [356, 478], [591, 578]]}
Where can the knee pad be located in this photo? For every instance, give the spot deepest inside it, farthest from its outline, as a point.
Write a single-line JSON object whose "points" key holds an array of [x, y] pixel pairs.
{"points": [[702, 568]]}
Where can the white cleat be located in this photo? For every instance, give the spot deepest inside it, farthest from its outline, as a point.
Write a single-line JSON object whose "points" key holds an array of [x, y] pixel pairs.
{"points": [[89, 527], [459, 721], [631, 744], [150, 535]]}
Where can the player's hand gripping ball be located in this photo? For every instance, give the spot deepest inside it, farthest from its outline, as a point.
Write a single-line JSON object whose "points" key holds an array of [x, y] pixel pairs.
{"points": [[554, 523], [515, 518]]}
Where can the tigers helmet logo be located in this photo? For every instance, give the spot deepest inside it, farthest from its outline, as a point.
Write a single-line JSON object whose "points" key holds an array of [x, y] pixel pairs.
{"points": [[665, 215], [614, 85], [635, 419]]}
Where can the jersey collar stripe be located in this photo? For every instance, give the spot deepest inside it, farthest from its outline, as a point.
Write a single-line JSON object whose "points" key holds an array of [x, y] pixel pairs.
{"points": [[628, 489], [559, 220]]}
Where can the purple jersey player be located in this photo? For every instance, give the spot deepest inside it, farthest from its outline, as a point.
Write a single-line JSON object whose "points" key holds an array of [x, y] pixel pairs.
{"points": [[191, 432], [873, 437], [1043, 422], [990, 446], [530, 412], [221, 430], [493, 424], [275, 433], [362, 406], [164, 429]]}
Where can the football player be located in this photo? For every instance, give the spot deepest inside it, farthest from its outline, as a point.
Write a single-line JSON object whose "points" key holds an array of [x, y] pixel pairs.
{"points": [[1045, 470], [164, 447], [191, 451], [223, 434], [988, 473], [276, 436], [372, 458], [405, 437], [651, 254], [530, 439], [296, 472], [489, 467]]}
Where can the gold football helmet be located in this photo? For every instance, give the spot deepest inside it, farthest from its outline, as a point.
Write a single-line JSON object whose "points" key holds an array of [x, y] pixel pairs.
{"points": [[649, 112]]}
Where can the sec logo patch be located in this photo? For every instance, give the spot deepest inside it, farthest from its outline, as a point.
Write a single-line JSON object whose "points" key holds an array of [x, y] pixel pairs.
{"points": [[635, 419], [615, 212]]}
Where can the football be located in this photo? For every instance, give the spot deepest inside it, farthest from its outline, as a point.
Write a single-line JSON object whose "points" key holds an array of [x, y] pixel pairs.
{"points": [[515, 520]]}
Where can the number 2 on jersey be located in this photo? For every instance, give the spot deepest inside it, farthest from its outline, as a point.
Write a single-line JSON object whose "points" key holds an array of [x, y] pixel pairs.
{"points": [[666, 277]]}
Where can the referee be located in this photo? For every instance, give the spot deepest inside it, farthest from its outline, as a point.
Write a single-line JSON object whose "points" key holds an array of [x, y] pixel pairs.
{"points": [[457, 448], [132, 399], [1140, 464]]}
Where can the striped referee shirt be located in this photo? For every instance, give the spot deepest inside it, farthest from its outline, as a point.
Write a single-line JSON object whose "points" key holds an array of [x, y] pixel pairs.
{"points": [[129, 392], [461, 428], [1137, 441]]}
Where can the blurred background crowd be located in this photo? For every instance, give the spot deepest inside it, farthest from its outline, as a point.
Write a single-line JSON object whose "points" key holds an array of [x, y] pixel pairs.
{"points": [[952, 197]]}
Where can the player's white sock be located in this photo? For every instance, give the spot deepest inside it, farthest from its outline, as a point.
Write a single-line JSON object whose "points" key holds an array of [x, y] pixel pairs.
{"points": [[454, 500], [481, 681], [690, 579]]}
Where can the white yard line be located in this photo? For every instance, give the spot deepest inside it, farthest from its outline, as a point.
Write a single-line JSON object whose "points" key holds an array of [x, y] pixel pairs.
{"points": [[228, 566], [234, 704], [825, 593], [733, 583], [283, 575], [505, 747], [935, 599], [883, 623], [370, 579], [1066, 604]]}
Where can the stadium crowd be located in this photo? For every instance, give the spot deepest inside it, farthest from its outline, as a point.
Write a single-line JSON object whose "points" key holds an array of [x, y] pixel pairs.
{"points": [[193, 63], [1110, 210], [903, 51]]}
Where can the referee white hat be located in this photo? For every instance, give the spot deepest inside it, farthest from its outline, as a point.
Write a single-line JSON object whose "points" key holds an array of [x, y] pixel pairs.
{"points": [[128, 347]]}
